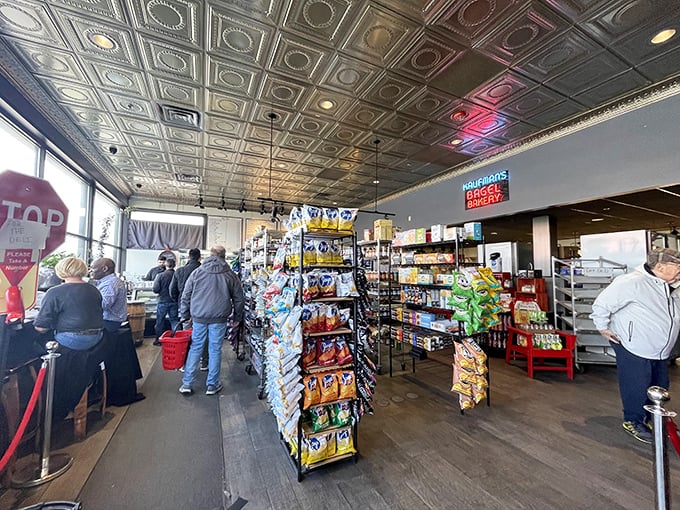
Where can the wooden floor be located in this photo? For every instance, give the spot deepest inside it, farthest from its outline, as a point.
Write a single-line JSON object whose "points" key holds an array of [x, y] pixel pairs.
{"points": [[546, 443]]}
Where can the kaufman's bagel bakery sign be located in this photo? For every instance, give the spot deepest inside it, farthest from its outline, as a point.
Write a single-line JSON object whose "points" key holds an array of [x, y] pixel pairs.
{"points": [[487, 190]]}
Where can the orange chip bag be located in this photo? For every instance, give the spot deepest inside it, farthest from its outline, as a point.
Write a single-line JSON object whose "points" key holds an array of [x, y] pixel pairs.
{"points": [[329, 387], [347, 383], [342, 352], [309, 353], [332, 317], [325, 352], [312, 392]]}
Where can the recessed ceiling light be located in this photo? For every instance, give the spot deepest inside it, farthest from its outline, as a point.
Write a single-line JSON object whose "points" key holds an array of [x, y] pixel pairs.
{"points": [[326, 104], [259, 193], [280, 165], [376, 182], [459, 115], [456, 141], [597, 219], [335, 203], [663, 36], [494, 233], [606, 208], [103, 41]]}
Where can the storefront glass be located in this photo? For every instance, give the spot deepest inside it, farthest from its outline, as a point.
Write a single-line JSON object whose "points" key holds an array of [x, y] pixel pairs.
{"points": [[73, 191], [24, 154]]}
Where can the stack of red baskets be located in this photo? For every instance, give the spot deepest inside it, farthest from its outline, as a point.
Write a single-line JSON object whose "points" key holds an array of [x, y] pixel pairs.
{"points": [[174, 348]]}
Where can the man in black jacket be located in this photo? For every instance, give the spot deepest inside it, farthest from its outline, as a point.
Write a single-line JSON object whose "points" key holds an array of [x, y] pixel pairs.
{"points": [[182, 274], [166, 305]]}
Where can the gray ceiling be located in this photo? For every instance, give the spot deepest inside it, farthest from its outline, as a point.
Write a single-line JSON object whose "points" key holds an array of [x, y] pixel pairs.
{"points": [[416, 74]]}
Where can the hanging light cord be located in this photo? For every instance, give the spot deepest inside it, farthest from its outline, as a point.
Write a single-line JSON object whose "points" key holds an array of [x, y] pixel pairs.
{"points": [[376, 142], [272, 116]]}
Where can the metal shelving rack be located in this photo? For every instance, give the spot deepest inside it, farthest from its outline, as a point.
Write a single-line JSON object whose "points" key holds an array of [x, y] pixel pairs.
{"points": [[377, 261], [576, 284], [258, 254], [302, 431]]}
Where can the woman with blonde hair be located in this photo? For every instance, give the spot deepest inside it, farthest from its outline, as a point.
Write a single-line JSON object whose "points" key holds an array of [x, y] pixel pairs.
{"points": [[73, 309]]}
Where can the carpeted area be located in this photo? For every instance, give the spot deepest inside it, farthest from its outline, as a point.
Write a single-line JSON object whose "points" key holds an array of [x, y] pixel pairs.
{"points": [[166, 453]]}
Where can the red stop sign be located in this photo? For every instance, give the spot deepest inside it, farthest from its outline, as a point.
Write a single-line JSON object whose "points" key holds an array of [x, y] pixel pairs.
{"points": [[29, 198]]}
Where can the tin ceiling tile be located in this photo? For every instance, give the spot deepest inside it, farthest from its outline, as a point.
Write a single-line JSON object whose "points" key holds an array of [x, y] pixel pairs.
{"points": [[428, 56], [283, 117], [49, 61], [536, 99], [431, 134], [73, 94], [662, 67], [344, 134], [184, 136], [327, 103], [172, 60], [309, 125], [280, 91], [488, 124], [131, 106], [221, 142], [637, 46], [179, 20], [319, 160], [611, 89], [588, 74], [222, 104], [232, 77], [427, 104], [112, 10], [320, 19], [553, 115], [364, 116], [116, 77], [389, 90], [299, 143], [349, 75], [502, 89], [169, 91], [106, 136], [297, 58], [513, 133], [188, 161], [31, 21], [377, 35], [398, 125], [237, 37], [470, 20]]}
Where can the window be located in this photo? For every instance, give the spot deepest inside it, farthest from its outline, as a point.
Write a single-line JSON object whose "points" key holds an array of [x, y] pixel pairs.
{"points": [[73, 192], [105, 223], [24, 154], [73, 245]]}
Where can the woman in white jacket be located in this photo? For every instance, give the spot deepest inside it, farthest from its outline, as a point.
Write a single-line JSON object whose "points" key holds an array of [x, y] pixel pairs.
{"points": [[639, 313]]}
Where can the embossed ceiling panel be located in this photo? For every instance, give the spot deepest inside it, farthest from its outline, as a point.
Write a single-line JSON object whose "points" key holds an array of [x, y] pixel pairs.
{"points": [[439, 82]]}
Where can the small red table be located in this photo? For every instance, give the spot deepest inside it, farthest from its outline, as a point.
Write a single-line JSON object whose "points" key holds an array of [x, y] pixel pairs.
{"points": [[535, 356]]}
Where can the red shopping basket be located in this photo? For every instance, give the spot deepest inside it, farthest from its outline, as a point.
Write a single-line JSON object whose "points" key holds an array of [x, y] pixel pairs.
{"points": [[175, 348]]}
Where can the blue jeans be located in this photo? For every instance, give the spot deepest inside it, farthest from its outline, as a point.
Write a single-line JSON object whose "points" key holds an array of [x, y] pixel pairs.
{"points": [[78, 342], [214, 334], [163, 309], [635, 375]]}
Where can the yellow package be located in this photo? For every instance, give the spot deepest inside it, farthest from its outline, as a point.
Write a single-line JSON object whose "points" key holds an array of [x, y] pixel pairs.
{"points": [[316, 449], [312, 391], [466, 402], [331, 444], [329, 387], [323, 253], [343, 441], [347, 383], [329, 219], [346, 218], [311, 217]]}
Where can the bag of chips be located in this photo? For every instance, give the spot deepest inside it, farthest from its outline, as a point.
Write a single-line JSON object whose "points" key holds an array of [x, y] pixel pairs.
{"points": [[332, 317], [329, 387], [323, 253], [310, 286], [320, 318], [320, 418], [345, 285], [311, 217], [329, 218], [345, 314], [295, 218], [347, 383], [325, 352], [336, 254], [346, 218], [342, 352], [343, 441], [341, 414], [312, 391], [309, 353], [309, 255], [306, 318], [327, 284], [316, 449], [331, 444]]}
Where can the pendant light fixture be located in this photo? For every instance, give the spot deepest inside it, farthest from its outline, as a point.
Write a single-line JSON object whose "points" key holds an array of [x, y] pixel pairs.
{"points": [[272, 117]]}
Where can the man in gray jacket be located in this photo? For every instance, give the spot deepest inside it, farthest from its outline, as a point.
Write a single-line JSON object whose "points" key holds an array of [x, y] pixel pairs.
{"points": [[213, 299], [639, 313]]}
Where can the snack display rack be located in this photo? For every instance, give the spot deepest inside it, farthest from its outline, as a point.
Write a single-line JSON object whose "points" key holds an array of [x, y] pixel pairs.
{"points": [[319, 380], [256, 264], [382, 293]]}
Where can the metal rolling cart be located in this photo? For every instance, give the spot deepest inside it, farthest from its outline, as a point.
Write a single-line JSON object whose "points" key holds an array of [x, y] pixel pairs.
{"points": [[255, 332], [576, 284]]}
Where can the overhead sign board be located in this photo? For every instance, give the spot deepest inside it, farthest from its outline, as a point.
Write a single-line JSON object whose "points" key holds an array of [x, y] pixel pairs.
{"points": [[487, 190]]}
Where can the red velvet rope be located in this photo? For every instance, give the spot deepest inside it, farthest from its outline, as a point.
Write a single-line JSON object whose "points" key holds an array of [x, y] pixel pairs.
{"points": [[24, 421], [672, 431]]}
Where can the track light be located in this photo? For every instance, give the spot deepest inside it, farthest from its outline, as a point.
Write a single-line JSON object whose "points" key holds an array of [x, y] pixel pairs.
{"points": [[199, 204], [674, 231], [223, 204], [262, 209], [242, 207], [281, 210]]}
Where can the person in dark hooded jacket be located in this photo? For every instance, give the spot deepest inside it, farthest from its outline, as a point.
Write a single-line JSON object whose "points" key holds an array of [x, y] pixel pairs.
{"points": [[213, 299]]}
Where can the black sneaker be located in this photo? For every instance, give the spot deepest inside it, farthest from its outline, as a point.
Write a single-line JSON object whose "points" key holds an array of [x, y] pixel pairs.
{"points": [[213, 389], [639, 431]]}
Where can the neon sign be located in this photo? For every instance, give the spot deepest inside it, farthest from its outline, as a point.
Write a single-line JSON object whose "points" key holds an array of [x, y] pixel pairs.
{"points": [[487, 190]]}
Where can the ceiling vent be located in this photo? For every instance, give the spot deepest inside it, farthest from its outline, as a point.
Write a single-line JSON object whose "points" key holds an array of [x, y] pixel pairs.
{"points": [[192, 178], [180, 117]]}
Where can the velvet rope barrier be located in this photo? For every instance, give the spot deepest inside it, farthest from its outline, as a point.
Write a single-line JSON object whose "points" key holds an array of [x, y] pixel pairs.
{"points": [[24, 421], [672, 431]]}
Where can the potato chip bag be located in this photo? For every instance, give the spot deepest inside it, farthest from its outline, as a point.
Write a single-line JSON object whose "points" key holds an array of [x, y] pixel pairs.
{"points": [[309, 353], [316, 449], [343, 354], [306, 318], [323, 252], [310, 286], [332, 317], [329, 218], [327, 284], [320, 324], [345, 314], [295, 218], [325, 352], [336, 254], [345, 285], [329, 387], [311, 392], [475, 350], [343, 441], [309, 255], [320, 418], [311, 217], [465, 402], [331, 444], [346, 218], [461, 285], [463, 358], [347, 383], [341, 414]]}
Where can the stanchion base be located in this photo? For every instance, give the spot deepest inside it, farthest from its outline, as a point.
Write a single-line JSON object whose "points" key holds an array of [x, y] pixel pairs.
{"points": [[30, 475]]}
